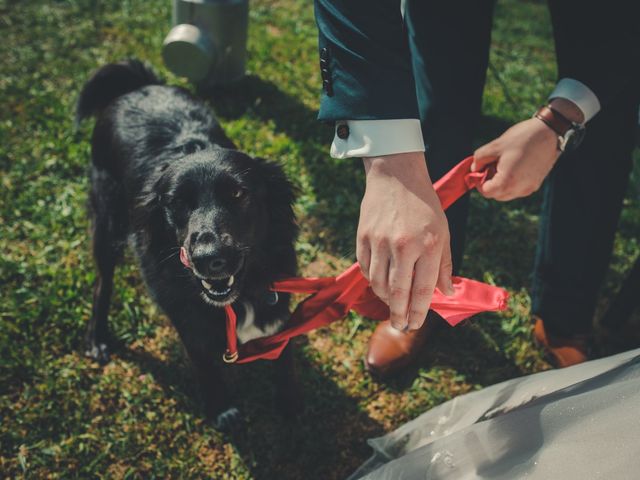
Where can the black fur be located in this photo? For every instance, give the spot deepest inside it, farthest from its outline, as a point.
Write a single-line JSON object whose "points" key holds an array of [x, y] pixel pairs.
{"points": [[164, 175]]}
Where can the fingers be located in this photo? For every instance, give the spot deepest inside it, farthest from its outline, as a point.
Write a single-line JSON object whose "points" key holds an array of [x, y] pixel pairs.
{"points": [[504, 185], [499, 186], [446, 270], [400, 275], [426, 271], [485, 155], [495, 188], [391, 276], [429, 273], [379, 273]]}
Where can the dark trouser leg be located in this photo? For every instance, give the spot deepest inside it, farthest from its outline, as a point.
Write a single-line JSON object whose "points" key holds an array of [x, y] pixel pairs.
{"points": [[582, 202], [449, 45]]}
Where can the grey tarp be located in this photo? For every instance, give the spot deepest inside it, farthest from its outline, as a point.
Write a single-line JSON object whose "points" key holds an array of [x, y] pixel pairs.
{"points": [[581, 422]]}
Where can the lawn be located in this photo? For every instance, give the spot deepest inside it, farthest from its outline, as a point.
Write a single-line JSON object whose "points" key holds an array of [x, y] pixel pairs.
{"points": [[63, 416]]}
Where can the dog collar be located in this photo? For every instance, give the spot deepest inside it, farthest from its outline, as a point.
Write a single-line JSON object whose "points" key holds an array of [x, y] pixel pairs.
{"points": [[271, 297]]}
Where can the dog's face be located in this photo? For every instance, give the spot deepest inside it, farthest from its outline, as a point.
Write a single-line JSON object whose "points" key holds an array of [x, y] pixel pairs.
{"points": [[220, 205]]}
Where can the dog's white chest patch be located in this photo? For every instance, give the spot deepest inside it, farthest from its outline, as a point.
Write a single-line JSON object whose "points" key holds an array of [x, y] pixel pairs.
{"points": [[247, 329]]}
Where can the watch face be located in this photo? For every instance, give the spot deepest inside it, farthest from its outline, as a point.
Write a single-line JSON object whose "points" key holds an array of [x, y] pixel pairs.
{"points": [[573, 138], [563, 140]]}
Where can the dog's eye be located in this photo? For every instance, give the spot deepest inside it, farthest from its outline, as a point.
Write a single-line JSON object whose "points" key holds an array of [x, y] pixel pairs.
{"points": [[193, 146], [181, 202], [238, 192]]}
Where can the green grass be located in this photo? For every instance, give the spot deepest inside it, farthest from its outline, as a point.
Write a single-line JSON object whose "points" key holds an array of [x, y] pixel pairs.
{"points": [[62, 416]]}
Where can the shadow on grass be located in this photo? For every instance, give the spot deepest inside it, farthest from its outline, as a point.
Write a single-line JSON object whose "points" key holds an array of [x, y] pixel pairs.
{"points": [[266, 101], [327, 441], [328, 436]]}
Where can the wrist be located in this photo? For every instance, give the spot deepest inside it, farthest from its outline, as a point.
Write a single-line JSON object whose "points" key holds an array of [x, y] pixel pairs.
{"points": [[567, 109], [398, 165], [569, 132]]}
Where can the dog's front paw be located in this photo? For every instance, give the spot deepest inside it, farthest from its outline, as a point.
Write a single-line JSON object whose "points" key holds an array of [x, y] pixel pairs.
{"points": [[98, 352], [229, 421]]}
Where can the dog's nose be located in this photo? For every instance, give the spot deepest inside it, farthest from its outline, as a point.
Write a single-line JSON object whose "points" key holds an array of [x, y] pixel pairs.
{"points": [[208, 261], [210, 257]]}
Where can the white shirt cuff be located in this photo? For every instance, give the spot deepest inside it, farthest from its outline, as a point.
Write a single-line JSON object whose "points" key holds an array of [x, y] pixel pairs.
{"points": [[372, 138], [579, 94]]}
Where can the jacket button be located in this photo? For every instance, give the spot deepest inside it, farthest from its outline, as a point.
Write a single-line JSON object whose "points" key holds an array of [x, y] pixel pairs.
{"points": [[342, 130], [328, 87], [325, 72]]}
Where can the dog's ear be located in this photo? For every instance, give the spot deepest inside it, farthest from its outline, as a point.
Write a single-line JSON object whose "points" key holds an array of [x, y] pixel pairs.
{"points": [[148, 208], [280, 195]]}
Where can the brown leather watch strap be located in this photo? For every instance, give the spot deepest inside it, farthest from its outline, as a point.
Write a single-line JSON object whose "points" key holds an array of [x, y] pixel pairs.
{"points": [[556, 121]]}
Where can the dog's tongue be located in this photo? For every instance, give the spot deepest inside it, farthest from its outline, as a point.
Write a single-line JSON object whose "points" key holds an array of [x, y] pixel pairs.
{"points": [[183, 257]]}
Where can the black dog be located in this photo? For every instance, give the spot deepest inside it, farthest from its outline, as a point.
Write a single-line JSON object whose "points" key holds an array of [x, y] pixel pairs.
{"points": [[165, 176]]}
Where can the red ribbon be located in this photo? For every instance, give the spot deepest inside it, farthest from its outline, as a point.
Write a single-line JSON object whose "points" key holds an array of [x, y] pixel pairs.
{"points": [[333, 297]]}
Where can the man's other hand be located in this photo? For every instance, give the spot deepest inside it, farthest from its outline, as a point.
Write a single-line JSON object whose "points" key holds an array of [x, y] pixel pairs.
{"points": [[524, 156]]}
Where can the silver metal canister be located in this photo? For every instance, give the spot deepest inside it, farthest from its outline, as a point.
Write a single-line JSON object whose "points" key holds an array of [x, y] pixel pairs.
{"points": [[208, 43]]}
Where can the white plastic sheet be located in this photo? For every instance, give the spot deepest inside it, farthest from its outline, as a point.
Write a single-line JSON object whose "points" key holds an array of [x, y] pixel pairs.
{"points": [[581, 422]]}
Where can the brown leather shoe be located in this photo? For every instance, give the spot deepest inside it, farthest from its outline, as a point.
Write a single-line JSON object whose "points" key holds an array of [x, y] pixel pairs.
{"points": [[391, 350], [562, 351]]}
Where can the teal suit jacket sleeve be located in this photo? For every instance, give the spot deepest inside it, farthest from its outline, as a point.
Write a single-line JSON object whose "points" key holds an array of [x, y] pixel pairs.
{"points": [[364, 60], [599, 45]]}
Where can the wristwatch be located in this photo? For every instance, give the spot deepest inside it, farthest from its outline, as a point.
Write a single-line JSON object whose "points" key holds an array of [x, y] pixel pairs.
{"points": [[570, 134]]}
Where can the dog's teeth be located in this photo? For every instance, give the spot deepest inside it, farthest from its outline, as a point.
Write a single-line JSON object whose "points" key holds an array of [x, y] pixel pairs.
{"points": [[230, 281], [206, 285]]}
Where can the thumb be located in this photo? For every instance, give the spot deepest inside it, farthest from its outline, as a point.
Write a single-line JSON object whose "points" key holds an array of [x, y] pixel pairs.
{"points": [[485, 155], [445, 284], [495, 187]]}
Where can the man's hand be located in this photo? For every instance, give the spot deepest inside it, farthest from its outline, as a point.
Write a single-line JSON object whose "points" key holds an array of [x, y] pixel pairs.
{"points": [[524, 156], [403, 237]]}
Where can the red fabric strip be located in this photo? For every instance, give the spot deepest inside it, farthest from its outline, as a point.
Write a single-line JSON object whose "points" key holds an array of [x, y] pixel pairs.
{"points": [[333, 297]]}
